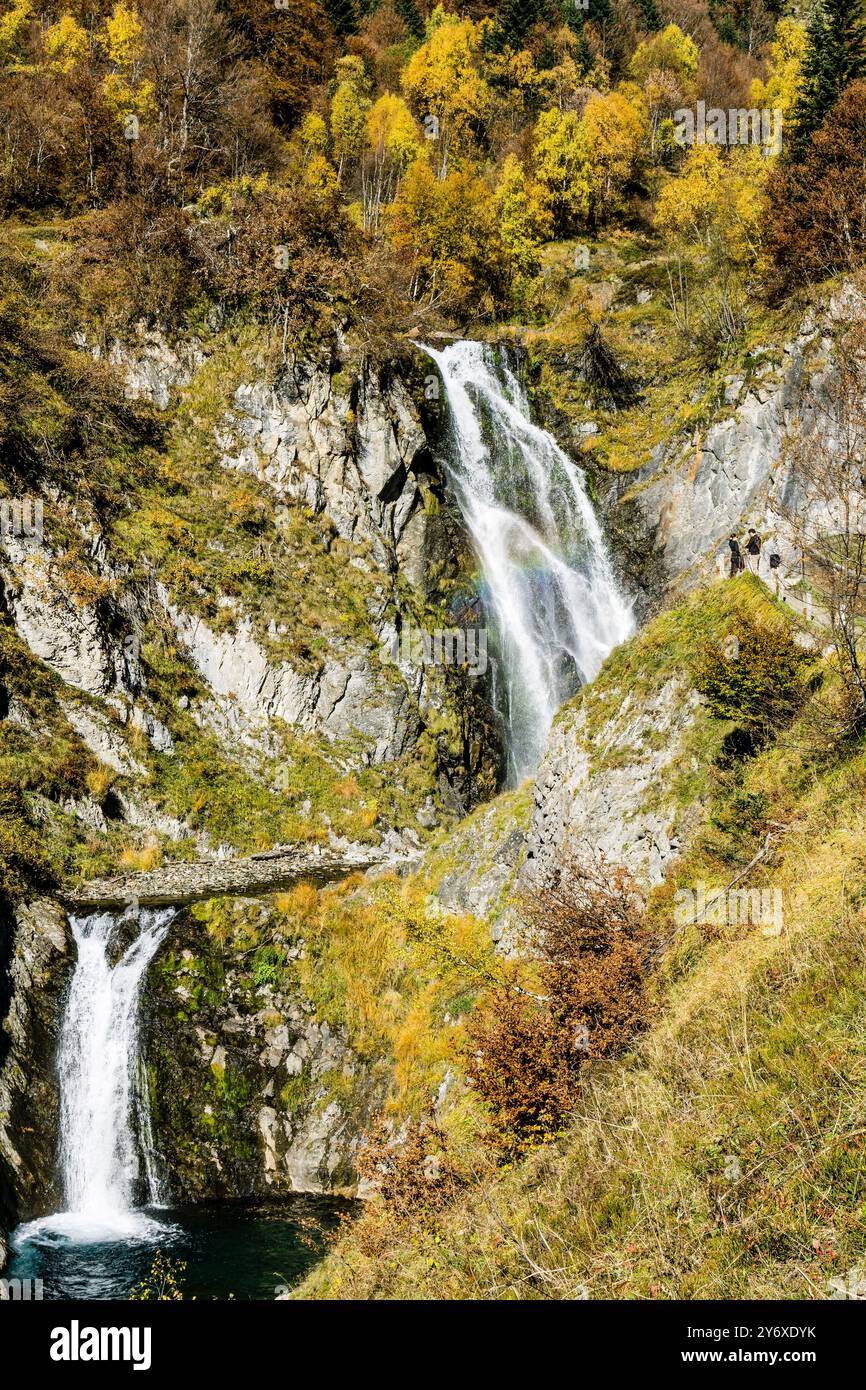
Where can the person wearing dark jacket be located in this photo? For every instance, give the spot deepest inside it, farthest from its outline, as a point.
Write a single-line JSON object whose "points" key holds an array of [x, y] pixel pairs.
{"points": [[753, 551], [737, 563]]}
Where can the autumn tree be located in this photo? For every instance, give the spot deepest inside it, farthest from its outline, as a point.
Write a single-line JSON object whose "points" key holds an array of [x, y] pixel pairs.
{"points": [[523, 225], [349, 109], [14, 28], [712, 217], [716, 205], [613, 125], [61, 140], [779, 90], [445, 230], [665, 66], [211, 104], [443, 85], [288, 253], [65, 44], [295, 44], [562, 168], [758, 681], [582, 163], [126, 89], [526, 1049], [393, 143]]}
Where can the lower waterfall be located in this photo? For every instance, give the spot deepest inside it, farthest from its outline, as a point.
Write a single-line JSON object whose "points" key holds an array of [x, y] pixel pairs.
{"points": [[106, 1151], [115, 1219]]}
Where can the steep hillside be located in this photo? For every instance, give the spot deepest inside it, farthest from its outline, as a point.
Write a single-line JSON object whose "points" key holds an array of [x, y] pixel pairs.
{"points": [[432, 671], [722, 1156], [213, 598]]}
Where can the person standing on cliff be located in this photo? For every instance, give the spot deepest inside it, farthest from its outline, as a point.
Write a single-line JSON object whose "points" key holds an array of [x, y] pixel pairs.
{"points": [[753, 551], [737, 563]]}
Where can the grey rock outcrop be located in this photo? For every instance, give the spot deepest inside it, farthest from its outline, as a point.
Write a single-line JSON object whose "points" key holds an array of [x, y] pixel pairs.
{"points": [[151, 366], [352, 448], [36, 965], [252, 1093], [605, 790], [352, 691], [741, 472], [67, 635], [195, 882]]}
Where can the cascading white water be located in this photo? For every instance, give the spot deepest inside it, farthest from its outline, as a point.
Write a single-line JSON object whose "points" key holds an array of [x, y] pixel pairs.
{"points": [[102, 1100], [548, 582]]}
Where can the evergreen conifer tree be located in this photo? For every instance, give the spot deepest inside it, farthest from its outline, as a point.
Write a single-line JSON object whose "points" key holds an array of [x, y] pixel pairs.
{"points": [[584, 56], [835, 56], [651, 17], [514, 19], [343, 15], [411, 17]]}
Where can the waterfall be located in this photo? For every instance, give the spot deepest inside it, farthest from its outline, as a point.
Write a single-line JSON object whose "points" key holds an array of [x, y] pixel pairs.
{"points": [[548, 583], [106, 1145]]}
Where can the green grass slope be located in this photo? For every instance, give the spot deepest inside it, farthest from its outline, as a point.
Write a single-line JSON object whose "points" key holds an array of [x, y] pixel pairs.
{"points": [[725, 1155]]}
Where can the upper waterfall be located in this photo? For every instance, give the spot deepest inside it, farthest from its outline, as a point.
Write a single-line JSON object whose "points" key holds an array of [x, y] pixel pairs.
{"points": [[548, 582]]}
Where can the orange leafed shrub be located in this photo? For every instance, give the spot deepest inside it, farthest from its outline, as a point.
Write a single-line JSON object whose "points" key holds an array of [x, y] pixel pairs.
{"points": [[414, 1174], [525, 1052]]}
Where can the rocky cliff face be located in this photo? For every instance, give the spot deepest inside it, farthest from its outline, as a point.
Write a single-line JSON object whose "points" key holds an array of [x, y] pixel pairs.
{"points": [[34, 976], [341, 462], [681, 508], [141, 695], [251, 1093], [604, 787], [349, 448], [606, 784]]}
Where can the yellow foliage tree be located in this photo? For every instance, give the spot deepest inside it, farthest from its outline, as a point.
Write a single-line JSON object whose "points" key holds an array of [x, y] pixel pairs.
{"points": [[445, 87], [320, 175], [784, 71], [66, 44], [349, 110], [665, 65], [14, 27], [124, 89], [523, 220], [582, 163], [614, 127], [716, 204], [524, 223], [124, 38], [563, 168], [314, 134], [393, 142], [446, 229]]}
